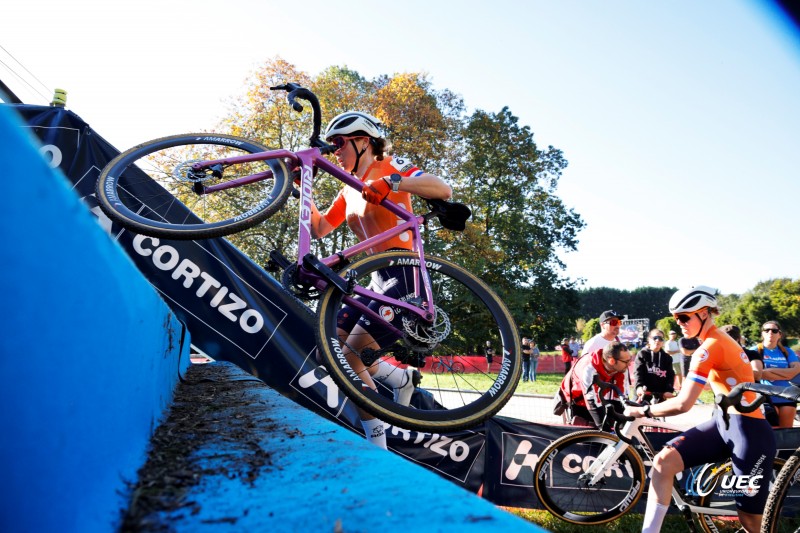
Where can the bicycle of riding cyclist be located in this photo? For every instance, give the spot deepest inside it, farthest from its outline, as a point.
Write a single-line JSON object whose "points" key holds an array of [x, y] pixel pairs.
{"points": [[749, 441], [363, 151]]}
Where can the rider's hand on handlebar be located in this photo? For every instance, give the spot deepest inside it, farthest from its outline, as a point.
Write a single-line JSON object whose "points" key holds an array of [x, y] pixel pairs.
{"points": [[374, 191], [635, 412]]}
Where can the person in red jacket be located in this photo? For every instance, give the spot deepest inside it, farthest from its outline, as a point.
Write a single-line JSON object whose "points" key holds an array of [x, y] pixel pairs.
{"points": [[566, 356], [609, 364]]}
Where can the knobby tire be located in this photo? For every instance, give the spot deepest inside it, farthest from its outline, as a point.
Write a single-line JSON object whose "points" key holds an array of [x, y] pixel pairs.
{"points": [[474, 313]]}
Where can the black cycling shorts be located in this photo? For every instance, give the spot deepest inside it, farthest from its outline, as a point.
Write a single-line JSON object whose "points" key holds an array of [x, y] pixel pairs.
{"points": [[749, 443], [396, 282]]}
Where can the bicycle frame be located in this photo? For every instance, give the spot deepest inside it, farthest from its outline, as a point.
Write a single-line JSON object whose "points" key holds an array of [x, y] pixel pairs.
{"points": [[306, 160], [634, 429]]}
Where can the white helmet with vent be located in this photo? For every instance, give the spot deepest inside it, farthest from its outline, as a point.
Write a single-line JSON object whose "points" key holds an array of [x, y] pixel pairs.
{"points": [[353, 122], [693, 299]]}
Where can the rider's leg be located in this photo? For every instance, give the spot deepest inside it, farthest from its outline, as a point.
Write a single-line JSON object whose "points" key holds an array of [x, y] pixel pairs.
{"points": [[373, 427], [666, 465], [750, 522], [402, 381], [786, 415]]}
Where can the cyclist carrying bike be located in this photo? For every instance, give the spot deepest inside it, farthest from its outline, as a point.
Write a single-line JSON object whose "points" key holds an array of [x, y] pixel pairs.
{"points": [[749, 441], [363, 152]]}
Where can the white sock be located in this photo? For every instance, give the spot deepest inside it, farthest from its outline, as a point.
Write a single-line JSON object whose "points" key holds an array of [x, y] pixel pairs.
{"points": [[374, 432], [654, 516], [391, 375], [402, 395]]}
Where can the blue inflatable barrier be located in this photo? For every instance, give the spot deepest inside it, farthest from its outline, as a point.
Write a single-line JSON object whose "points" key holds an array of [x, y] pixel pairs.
{"points": [[89, 354]]}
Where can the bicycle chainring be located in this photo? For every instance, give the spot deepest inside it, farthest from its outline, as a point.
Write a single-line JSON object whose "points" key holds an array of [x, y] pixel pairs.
{"points": [[301, 290]]}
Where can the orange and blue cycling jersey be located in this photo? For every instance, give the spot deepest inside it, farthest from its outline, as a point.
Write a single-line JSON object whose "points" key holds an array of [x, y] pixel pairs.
{"points": [[722, 363], [367, 220]]}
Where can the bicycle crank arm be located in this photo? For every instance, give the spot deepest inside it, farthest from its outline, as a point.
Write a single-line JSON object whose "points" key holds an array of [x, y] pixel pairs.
{"points": [[312, 262], [277, 261]]}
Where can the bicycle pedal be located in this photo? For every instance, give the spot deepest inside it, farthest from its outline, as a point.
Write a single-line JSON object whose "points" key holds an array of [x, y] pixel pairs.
{"points": [[277, 261]]}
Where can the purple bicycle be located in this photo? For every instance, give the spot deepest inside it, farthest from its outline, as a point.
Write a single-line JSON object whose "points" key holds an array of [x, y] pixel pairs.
{"points": [[205, 185]]}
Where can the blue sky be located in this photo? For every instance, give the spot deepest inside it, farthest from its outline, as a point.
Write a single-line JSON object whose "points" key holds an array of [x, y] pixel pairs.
{"points": [[680, 119]]}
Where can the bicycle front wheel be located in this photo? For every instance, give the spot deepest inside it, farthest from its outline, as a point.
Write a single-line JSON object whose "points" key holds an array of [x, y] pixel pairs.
{"points": [[782, 512], [563, 491], [468, 314], [152, 189]]}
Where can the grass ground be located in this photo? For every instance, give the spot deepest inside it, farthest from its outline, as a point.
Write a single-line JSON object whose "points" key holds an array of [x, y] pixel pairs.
{"points": [[630, 523], [546, 384]]}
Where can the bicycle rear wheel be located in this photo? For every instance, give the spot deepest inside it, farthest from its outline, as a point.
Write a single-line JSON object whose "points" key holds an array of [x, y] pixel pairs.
{"points": [[561, 490], [782, 512], [151, 189], [468, 314]]}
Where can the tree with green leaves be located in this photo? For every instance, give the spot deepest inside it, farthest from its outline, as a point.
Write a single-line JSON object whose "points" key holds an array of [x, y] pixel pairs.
{"points": [[518, 222]]}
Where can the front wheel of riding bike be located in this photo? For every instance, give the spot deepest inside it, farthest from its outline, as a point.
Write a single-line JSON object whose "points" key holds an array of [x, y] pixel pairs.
{"points": [[468, 313], [716, 488], [152, 188], [564, 490], [782, 512]]}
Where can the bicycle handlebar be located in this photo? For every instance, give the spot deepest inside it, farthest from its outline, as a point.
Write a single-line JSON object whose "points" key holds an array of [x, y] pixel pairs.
{"points": [[735, 396], [295, 91], [618, 418]]}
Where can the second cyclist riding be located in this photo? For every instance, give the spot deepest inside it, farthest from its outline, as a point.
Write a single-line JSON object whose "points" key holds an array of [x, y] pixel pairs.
{"points": [[199, 186]]}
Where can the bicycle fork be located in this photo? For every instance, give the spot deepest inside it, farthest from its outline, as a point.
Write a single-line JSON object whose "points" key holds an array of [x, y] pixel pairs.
{"points": [[604, 462]]}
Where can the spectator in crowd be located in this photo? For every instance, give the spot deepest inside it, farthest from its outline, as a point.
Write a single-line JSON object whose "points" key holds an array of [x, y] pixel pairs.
{"points": [[609, 331], [674, 351], [655, 375], [747, 439], [609, 364], [526, 358], [776, 364], [575, 348], [534, 360], [736, 334], [566, 355], [488, 351]]}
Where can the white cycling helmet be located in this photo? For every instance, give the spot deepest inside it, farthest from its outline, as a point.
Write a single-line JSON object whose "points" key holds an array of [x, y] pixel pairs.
{"points": [[693, 299], [352, 122]]}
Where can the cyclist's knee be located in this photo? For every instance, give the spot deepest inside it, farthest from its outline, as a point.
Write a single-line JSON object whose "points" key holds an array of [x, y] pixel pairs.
{"points": [[750, 522], [668, 462]]}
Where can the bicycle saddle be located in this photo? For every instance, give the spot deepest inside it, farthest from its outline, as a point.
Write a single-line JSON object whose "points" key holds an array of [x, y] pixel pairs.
{"points": [[451, 215]]}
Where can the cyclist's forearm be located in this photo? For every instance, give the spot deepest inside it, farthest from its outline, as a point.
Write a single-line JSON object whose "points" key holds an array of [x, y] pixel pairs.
{"points": [[778, 373], [319, 226], [427, 186]]}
